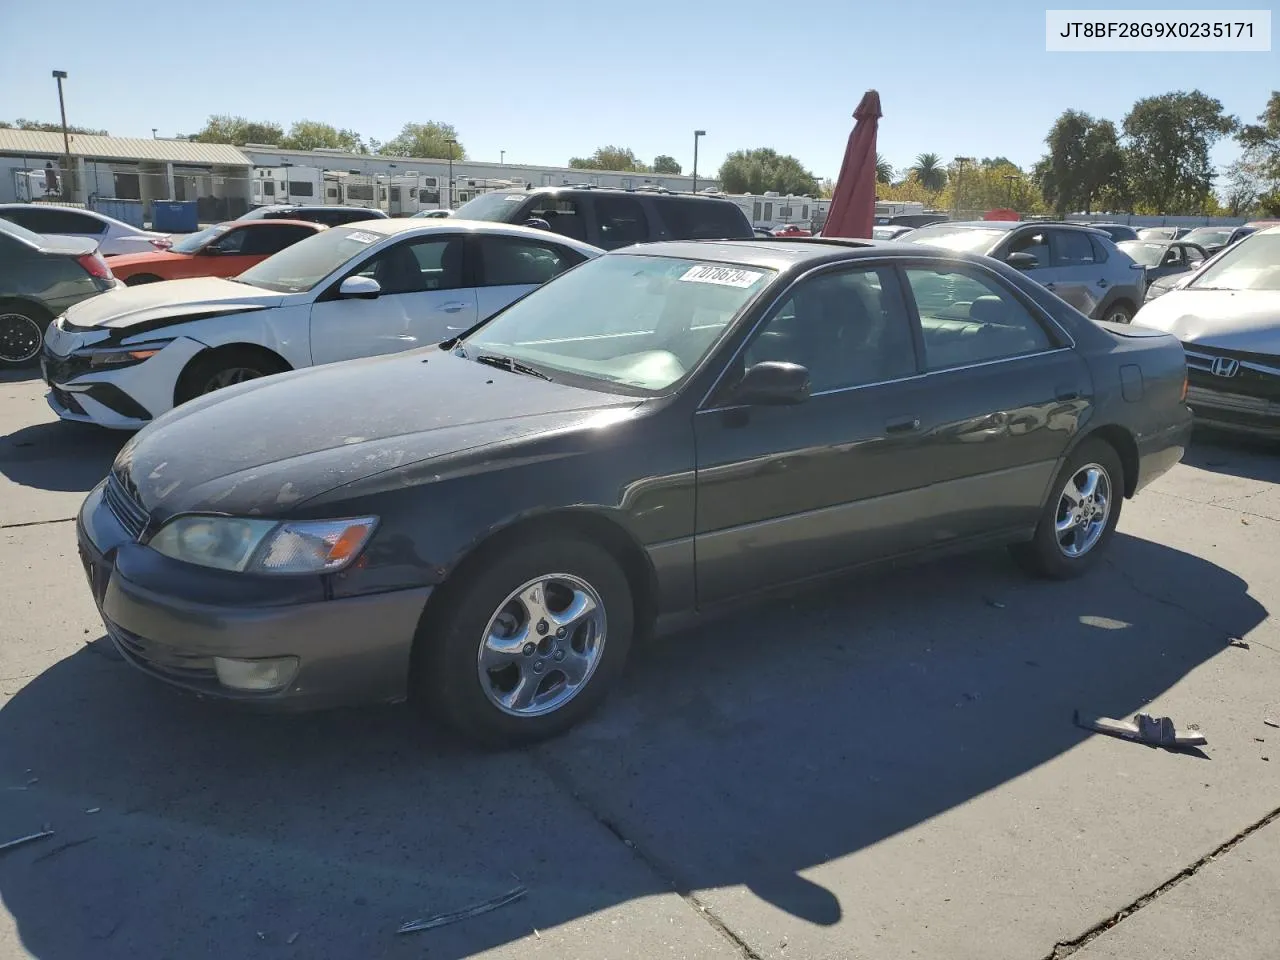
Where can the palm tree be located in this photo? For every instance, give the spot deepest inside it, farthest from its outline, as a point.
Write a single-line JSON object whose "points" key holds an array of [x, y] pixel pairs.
{"points": [[929, 171], [884, 169]]}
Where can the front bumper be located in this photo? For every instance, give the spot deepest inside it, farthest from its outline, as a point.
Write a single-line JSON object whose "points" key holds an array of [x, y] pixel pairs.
{"points": [[350, 651], [1236, 413]]}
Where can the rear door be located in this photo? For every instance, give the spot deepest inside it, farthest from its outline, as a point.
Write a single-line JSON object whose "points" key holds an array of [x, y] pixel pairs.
{"points": [[1006, 394], [509, 267], [786, 492], [1077, 275], [427, 295]]}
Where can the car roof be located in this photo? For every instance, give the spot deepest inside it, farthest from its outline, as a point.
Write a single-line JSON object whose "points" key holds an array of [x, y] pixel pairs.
{"points": [[630, 191], [394, 226], [780, 253], [275, 222]]}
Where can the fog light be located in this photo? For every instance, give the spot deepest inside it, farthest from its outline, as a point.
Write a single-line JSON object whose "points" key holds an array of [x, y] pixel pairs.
{"points": [[257, 675]]}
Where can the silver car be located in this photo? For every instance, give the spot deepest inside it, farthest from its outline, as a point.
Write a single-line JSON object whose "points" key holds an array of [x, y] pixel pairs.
{"points": [[1080, 264]]}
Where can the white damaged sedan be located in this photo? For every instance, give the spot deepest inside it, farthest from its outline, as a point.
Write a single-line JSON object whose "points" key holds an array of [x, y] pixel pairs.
{"points": [[379, 286], [1228, 319]]}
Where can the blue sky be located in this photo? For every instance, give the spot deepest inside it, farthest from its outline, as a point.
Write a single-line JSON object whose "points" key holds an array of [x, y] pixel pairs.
{"points": [[544, 80]]}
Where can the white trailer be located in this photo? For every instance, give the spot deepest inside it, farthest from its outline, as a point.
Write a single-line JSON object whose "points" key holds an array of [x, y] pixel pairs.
{"points": [[770, 210]]}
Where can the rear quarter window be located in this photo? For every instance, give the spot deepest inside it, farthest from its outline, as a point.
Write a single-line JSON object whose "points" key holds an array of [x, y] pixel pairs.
{"points": [[702, 219]]}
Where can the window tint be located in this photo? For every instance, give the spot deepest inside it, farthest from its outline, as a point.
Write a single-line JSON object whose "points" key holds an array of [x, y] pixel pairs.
{"points": [[562, 214], [1099, 249], [1033, 242], [418, 266], [56, 221], [703, 219], [967, 318], [231, 242], [848, 329], [506, 261], [622, 221], [267, 240], [1072, 249]]}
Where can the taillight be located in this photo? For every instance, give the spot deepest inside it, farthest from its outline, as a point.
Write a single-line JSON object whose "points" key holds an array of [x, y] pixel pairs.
{"points": [[95, 266], [1184, 388], [163, 243]]}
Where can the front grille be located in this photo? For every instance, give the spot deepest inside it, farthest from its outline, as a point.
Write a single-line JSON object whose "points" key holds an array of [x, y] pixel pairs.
{"points": [[125, 507], [1236, 373], [162, 661]]}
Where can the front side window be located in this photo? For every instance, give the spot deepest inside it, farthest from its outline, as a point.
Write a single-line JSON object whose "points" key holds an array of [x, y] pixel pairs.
{"points": [[1032, 242], [633, 323], [563, 214], [507, 261], [967, 318], [195, 242], [418, 266], [622, 221], [231, 242], [847, 329]]}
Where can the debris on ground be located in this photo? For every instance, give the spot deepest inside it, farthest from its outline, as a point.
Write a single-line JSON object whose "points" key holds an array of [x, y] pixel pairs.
{"points": [[94, 810], [466, 913], [998, 604], [1272, 723], [29, 838], [1237, 642], [293, 938], [1153, 731]]}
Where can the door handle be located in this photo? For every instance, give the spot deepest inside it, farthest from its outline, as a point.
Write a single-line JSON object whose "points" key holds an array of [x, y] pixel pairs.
{"points": [[905, 425], [452, 307]]}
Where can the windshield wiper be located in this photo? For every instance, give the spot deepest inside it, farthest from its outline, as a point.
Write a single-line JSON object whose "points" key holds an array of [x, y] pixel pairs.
{"points": [[507, 363]]}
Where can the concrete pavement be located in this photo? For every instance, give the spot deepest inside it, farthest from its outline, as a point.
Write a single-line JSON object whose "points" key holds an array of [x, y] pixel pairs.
{"points": [[883, 767]]}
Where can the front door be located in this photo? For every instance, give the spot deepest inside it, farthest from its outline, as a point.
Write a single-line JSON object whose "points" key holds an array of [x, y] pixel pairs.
{"points": [[786, 492], [426, 297]]}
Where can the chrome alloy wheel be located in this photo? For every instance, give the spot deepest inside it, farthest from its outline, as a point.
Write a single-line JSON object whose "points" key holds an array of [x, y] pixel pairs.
{"points": [[1083, 510], [542, 645]]}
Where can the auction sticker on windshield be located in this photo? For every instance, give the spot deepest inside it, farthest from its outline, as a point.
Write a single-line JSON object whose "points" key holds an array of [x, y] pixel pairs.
{"points": [[362, 237], [721, 276]]}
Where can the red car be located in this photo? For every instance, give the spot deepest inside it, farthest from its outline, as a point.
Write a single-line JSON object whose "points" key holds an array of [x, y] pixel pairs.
{"points": [[792, 230], [225, 250]]}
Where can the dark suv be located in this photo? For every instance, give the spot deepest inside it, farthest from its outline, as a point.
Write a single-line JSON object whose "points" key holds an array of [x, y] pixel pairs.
{"points": [[1083, 266], [613, 218]]}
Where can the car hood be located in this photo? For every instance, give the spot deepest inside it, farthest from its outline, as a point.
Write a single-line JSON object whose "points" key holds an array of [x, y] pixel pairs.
{"points": [[266, 447], [146, 259], [1247, 320], [132, 306]]}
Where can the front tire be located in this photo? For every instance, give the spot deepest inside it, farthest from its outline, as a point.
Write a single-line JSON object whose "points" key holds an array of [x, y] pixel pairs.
{"points": [[223, 368], [22, 327], [1080, 517], [527, 644]]}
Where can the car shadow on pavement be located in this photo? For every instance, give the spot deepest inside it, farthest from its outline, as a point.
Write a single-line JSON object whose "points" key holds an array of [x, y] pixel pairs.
{"points": [[18, 374], [68, 457], [1246, 457], [739, 751]]}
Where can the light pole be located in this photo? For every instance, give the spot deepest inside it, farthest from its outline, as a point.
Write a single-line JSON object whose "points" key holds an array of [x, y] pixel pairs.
{"points": [[1009, 178], [960, 162], [61, 75], [696, 135], [502, 158], [451, 144]]}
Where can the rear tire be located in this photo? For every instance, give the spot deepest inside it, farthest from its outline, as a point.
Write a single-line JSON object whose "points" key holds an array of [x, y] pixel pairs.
{"points": [[22, 327], [140, 278], [215, 369], [1074, 530], [501, 673]]}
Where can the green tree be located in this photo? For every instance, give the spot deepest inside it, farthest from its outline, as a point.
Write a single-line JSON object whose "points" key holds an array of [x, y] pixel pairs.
{"points": [[1062, 173], [884, 169], [666, 164], [764, 169], [1260, 163], [610, 158], [929, 172], [224, 128], [23, 124], [1168, 139], [310, 134], [428, 140], [997, 162]]}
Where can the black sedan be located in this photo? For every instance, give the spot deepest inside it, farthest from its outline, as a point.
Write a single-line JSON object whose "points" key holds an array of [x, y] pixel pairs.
{"points": [[483, 526]]}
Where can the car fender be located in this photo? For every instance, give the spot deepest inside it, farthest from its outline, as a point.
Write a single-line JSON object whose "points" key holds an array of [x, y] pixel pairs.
{"points": [[284, 330]]}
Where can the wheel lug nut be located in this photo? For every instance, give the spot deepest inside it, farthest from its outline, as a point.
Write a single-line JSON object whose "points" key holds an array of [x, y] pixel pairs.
{"points": [[559, 655], [528, 649], [537, 667], [542, 626], [560, 634]]}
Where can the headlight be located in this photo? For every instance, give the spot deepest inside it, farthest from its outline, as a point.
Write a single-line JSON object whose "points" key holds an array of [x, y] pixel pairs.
{"points": [[264, 546], [123, 356]]}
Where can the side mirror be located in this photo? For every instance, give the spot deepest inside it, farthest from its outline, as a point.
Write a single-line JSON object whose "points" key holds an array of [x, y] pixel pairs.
{"points": [[1021, 261], [537, 223], [773, 383], [359, 288], [212, 250]]}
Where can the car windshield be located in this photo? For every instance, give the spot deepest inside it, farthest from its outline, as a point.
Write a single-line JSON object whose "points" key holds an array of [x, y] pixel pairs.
{"points": [[1157, 233], [1144, 251], [499, 207], [304, 264], [195, 242], [637, 323], [964, 239], [1252, 264], [1208, 236]]}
